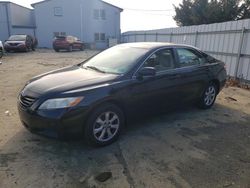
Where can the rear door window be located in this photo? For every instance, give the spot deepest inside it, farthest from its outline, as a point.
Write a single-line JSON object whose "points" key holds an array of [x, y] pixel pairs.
{"points": [[189, 57]]}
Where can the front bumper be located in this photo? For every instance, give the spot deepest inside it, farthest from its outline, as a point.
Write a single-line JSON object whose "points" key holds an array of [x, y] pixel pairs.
{"points": [[15, 48], [61, 46], [62, 122]]}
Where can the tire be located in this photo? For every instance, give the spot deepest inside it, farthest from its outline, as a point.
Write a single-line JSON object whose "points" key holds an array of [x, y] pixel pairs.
{"points": [[56, 50], [1, 53], [70, 49], [208, 96], [26, 49], [82, 48], [104, 125]]}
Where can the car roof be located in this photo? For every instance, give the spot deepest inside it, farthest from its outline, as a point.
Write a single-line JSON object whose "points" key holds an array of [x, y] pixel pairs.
{"points": [[153, 45], [19, 35]]}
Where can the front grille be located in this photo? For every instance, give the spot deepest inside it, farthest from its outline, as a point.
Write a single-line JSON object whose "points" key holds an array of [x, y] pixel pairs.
{"points": [[26, 101], [13, 44]]}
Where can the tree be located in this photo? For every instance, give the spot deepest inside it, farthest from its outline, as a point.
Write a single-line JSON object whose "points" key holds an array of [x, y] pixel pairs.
{"points": [[196, 12], [184, 13], [246, 9]]}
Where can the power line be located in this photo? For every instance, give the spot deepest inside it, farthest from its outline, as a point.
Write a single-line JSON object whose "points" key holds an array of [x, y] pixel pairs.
{"points": [[156, 14], [148, 10]]}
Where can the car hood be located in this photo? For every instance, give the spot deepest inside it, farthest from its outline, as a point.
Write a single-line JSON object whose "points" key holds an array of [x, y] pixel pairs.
{"points": [[65, 79], [14, 42]]}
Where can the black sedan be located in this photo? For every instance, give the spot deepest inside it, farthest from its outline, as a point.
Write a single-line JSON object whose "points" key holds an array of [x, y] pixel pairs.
{"points": [[94, 98]]}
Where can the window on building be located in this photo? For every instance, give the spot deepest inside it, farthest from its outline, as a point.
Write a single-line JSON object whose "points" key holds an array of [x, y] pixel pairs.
{"points": [[58, 11], [100, 37], [63, 33], [97, 38], [96, 14], [99, 14], [59, 34], [103, 14]]}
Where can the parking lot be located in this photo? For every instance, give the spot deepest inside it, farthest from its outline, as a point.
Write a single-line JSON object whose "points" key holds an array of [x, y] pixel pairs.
{"points": [[187, 147]]}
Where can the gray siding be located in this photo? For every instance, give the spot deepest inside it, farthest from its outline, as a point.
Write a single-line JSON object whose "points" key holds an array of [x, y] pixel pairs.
{"points": [[27, 31], [21, 16], [47, 23], [77, 20], [15, 19], [110, 26], [4, 33], [222, 40]]}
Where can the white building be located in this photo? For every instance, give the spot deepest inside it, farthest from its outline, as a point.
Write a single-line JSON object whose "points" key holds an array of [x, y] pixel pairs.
{"points": [[15, 19], [93, 21]]}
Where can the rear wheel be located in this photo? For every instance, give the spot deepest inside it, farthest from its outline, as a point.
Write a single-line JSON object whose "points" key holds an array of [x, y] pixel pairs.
{"points": [[104, 125], [209, 96], [70, 49]]}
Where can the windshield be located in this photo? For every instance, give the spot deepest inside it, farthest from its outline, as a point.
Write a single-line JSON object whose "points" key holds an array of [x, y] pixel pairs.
{"points": [[60, 38], [116, 60], [17, 38]]}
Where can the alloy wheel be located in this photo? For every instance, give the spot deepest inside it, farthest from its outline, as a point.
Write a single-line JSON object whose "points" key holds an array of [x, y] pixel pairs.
{"points": [[106, 126], [210, 95]]}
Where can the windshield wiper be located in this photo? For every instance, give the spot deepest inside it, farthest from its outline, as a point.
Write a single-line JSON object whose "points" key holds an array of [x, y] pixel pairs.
{"points": [[95, 68]]}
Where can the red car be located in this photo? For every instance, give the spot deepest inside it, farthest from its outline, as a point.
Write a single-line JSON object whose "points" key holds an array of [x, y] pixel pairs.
{"points": [[20, 43], [68, 43]]}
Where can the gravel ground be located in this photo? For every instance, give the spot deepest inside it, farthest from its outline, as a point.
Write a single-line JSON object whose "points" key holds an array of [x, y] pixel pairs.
{"points": [[184, 148]]}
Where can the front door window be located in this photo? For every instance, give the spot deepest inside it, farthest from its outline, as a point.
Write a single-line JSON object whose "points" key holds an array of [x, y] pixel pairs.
{"points": [[161, 60]]}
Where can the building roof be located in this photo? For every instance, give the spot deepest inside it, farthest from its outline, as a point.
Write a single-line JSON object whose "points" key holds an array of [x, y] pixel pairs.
{"points": [[99, 0], [16, 4]]}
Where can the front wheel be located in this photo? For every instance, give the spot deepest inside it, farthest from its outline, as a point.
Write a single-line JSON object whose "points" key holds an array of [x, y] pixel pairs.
{"points": [[26, 49], [1, 53], [208, 97], [104, 125]]}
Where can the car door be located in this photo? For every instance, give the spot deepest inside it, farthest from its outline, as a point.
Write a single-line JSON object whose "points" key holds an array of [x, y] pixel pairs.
{"points": [[74, 42], [28, 42], [159, 90], [192, 71]]}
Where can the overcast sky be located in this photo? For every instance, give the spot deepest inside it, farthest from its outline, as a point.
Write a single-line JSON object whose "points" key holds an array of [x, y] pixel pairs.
{"points": [[133, 18]]}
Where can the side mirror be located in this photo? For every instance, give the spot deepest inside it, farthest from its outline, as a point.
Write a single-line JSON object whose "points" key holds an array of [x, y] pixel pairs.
{"points": [[147, 71]]}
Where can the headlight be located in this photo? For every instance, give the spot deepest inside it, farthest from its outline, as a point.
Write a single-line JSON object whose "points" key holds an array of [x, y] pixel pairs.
{"points": [[60, 103]]}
